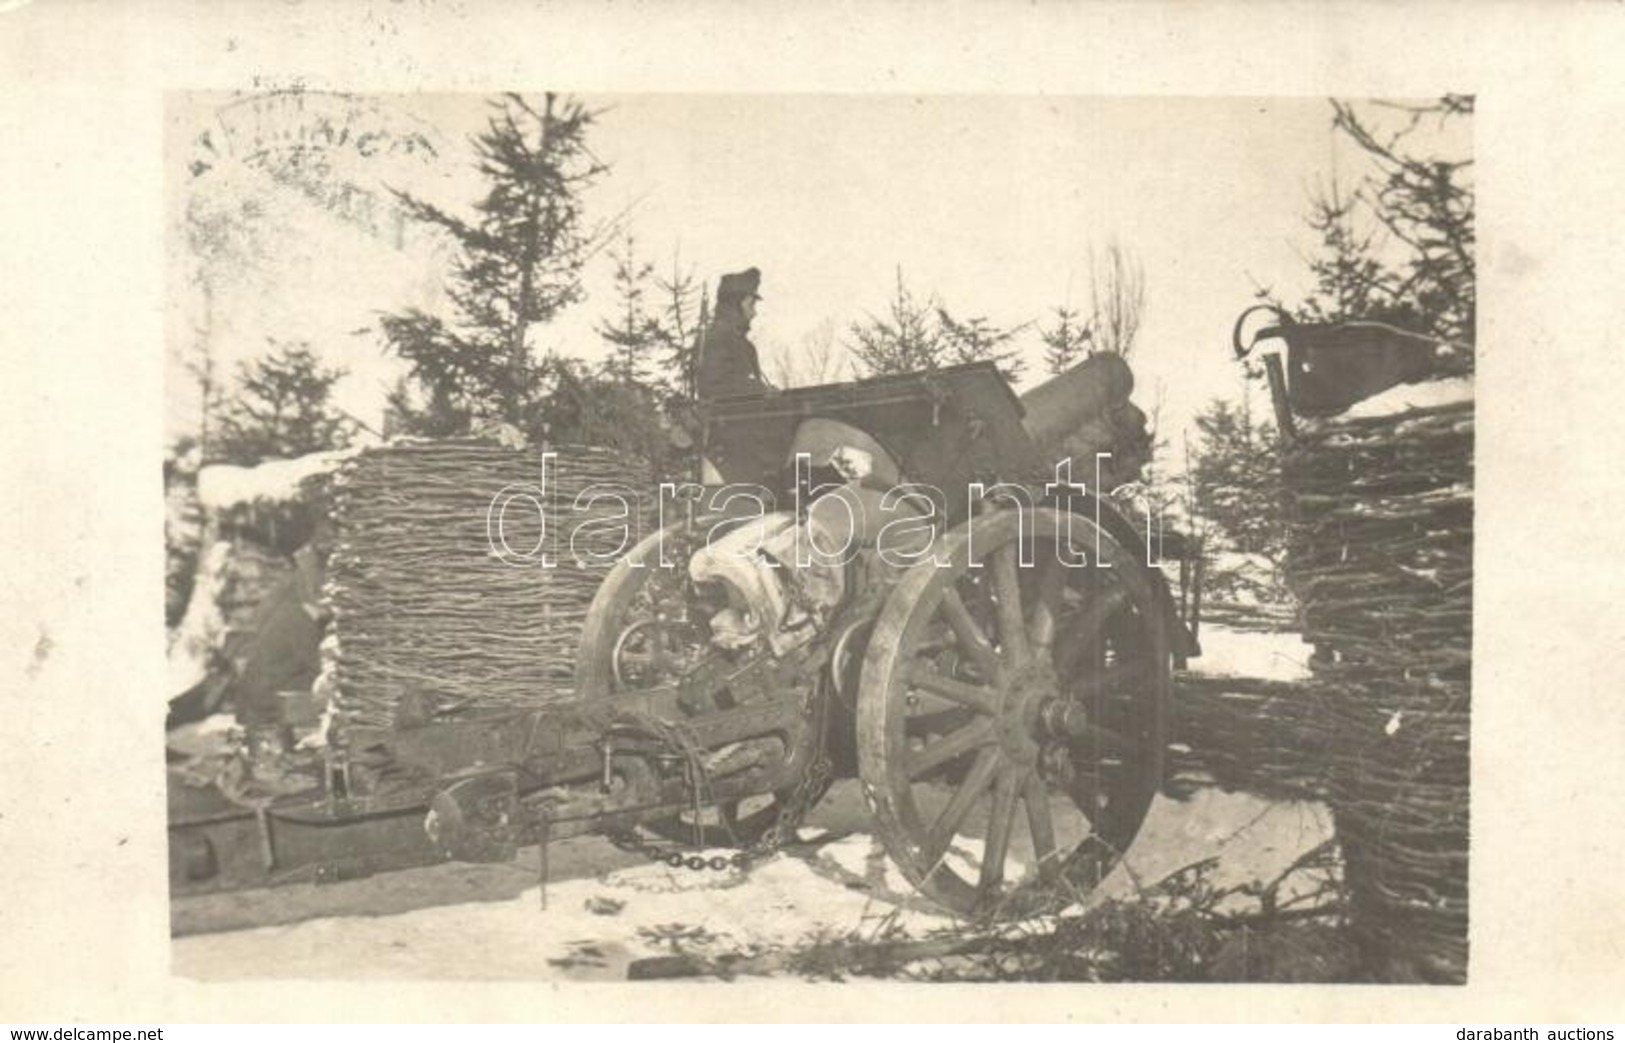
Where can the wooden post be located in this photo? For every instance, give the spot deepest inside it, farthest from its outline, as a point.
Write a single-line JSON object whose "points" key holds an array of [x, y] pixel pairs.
{"points": [[1278, 397]]}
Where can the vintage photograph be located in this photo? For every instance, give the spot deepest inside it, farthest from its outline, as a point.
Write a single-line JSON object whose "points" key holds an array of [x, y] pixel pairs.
{"points": [[818, 537]]}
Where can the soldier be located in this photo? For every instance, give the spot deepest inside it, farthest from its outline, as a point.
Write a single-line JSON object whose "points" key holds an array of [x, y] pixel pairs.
{"points": [[728, 364]]}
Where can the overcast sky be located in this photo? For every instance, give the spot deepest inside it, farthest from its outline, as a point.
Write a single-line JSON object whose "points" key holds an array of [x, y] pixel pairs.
{"points": [[992, 203]]}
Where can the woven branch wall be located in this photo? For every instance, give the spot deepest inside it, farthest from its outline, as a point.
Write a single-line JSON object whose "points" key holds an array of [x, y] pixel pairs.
{"points": [[1245, 735], [1382, 547], [426, 615]]}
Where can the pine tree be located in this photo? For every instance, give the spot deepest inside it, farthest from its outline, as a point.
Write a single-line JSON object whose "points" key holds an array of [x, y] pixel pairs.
{"points": [[1349, 280], [906, 340], [1398, 247], [918, 335], [1066, 342], [520, 263], [627, 402], [280, 407], [1236, 473], [633, 333], [978, 340], [598, 406], [684, 312], [653, 330]]}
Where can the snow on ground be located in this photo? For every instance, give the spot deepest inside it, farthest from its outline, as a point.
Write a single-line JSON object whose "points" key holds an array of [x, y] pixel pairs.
{"points": [[596, 924], [1228, 652], [605, 910], [592, 927]]}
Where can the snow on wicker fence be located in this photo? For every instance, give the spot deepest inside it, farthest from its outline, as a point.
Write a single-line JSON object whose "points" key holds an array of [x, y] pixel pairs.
{"points": [[1381, 558], [429, 614]]}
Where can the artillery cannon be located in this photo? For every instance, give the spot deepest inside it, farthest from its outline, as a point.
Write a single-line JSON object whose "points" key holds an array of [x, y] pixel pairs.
{"points": [[994, 667]]}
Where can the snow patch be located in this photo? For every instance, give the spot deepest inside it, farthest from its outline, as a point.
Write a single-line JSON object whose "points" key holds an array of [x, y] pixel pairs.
{"points": [[1403, 398], [223, 486], [193, 641], [1245, 653], [210, 737], [595, 925], [591, 928]]}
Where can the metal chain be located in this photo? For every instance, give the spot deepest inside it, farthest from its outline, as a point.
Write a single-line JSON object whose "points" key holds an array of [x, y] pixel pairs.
{"points": [[772, 840], [794, 808], [674, 855], [808, 788]]}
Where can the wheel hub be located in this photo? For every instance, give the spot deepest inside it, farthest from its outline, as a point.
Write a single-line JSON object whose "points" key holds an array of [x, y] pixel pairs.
{"points": [[1022, 710]]}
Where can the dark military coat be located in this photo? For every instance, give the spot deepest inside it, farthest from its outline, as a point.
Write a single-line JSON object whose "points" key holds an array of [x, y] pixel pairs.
{"points": [[728, 363]]}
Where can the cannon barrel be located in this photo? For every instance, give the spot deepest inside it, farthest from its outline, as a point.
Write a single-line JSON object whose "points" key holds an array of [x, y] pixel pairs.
{"points": [[1088, 391]]}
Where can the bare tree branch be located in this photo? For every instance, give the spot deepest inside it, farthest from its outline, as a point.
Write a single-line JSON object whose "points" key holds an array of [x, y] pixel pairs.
{"points": [[1117, 298]]}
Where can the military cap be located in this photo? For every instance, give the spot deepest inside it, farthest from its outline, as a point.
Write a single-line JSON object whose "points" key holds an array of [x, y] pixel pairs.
{"points": [[737, 286]]}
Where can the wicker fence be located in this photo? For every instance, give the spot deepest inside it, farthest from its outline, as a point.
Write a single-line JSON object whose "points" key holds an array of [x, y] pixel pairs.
{"points": [[440, 599], [1382, 563]]}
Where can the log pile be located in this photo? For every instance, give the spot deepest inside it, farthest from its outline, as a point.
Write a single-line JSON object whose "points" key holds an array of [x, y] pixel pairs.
{"points": [[1381, 558], [442, 604]]}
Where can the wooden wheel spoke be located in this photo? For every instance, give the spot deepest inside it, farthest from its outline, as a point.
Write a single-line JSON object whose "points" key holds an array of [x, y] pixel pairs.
{"points": [[948, 820], [1001, 817], [1041, 824], [977, 733], [980, 698], [1007, 599], [1046, 604], [969, 633], [1089, 625], [938, 722], [952, 720]]}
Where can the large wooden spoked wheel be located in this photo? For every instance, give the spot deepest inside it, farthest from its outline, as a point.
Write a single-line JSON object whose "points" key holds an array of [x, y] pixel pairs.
{"points": [[647, 627], [1011, 718]]}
